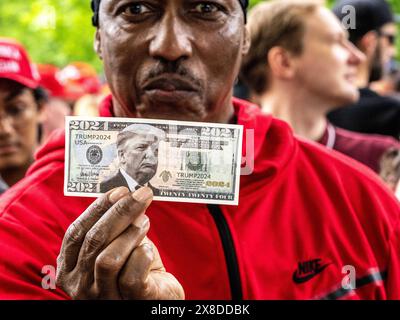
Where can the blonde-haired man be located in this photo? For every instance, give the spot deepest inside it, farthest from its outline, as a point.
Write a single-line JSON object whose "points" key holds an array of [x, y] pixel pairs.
{"points": [[300, 66]]}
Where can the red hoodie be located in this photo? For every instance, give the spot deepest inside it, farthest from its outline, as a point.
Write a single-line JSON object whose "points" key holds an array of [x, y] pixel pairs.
{"points": [[304, 214]]}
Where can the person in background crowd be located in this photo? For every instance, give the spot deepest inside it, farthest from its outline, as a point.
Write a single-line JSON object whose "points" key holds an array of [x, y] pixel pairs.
{"points": [[303, 214], [389, 85], [21, 100], [390, 168], [82, 88], [374, 33], [55, 110], [74, 89], [300, 66], [79, 79], [88, 105]]}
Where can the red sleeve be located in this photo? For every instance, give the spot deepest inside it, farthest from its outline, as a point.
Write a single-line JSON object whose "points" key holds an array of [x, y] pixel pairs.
{"points": [[393, 270], [34, 216], [21, 263]]}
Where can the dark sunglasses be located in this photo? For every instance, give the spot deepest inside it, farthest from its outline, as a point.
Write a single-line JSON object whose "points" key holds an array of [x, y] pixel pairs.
{"points": [[390, 37]]}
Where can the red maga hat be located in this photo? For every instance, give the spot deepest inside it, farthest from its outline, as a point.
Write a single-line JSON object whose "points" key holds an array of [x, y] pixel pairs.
{"points": [[49, 80], [78, 79], [15, 64]]}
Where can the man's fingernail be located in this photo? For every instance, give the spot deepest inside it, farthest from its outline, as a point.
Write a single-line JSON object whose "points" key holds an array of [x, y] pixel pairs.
{"points": [[142, 194], [141, 221], [118, 194]]}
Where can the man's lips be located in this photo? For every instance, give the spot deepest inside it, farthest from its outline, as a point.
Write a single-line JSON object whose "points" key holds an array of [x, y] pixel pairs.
{"points": [[169, 84], [351, 77], [170, 94], [8, 148], [148, 166]]}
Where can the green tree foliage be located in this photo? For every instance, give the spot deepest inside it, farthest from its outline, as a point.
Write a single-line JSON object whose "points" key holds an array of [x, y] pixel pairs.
{"points": [[53, 31], [395, 5]]}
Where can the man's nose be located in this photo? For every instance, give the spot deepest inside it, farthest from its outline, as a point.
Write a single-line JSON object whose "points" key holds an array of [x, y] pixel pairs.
{"points": [[150, 155], [393, 51], [356, 57], [172, 40], [6, 127]]}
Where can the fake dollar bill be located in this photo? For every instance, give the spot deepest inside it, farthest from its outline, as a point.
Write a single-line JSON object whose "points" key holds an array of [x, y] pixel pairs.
{"points": [[179, 161]]}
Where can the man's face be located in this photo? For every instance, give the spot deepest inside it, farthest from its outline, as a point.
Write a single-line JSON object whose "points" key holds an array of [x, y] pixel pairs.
{"points": [[139, 157], [387, 44], [328, 65], [171, 59], [19, 118], [385, 51]]}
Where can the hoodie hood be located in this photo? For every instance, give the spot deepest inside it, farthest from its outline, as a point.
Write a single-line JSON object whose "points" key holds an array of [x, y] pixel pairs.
{"points": [[52, 151]]}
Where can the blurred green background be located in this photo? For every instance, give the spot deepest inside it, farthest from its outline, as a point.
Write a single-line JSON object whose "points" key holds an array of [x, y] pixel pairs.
{"points": [[60, 31]]}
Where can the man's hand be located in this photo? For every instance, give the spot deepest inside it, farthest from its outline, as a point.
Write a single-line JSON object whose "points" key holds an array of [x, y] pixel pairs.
{"points": [[105, 253]]}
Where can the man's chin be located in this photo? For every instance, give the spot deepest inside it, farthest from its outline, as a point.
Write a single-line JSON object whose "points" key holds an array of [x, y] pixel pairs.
{"points": [[185, 106], [351, 98], [13, 160], [345, 98], [170, 97], [146, 174]]}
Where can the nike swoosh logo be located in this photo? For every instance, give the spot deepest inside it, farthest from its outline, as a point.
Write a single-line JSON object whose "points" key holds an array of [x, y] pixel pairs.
{"points": [[299, 280]]}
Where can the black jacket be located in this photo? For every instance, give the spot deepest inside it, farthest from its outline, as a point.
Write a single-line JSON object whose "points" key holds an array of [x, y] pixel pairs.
{"points": [[118, 180], [371, 114], [112, 182]]}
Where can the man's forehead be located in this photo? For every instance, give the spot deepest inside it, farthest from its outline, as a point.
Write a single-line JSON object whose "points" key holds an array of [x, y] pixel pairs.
{"points": [[389, 28], [10, 84], [10, 89], [324, 23]]}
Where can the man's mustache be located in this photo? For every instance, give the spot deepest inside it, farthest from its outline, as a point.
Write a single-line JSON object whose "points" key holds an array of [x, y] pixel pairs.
{"points": [[173, 68]]}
